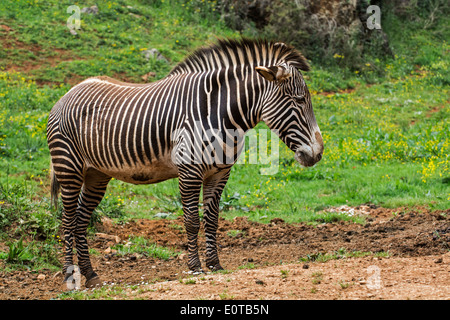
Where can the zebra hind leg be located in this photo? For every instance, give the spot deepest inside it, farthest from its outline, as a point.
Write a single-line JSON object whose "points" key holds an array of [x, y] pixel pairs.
{"points": [[66, 178], [69, 197], [92, 193]]}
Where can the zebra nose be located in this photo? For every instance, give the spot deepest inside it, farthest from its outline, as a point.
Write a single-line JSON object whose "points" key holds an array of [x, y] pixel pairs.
{"points": [[319, 156]]}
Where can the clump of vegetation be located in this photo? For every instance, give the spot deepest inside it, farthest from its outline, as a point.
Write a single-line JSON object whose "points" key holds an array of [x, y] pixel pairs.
{"points": [[316, 277], [235, 233], [342, 253], [144, 246]]}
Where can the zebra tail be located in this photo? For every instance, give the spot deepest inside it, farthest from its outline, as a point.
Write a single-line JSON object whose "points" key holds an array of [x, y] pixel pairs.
{"points": [[54, 186]]}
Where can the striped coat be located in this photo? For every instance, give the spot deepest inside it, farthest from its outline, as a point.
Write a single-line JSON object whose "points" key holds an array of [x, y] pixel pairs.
{"points": [[188, 125]]}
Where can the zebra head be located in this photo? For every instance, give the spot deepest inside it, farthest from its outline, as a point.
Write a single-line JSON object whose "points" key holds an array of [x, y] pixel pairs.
{"points": [[288, 111]]}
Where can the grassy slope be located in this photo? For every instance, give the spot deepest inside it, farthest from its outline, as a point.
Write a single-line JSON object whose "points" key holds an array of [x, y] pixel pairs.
{"points": [[386, 143]]}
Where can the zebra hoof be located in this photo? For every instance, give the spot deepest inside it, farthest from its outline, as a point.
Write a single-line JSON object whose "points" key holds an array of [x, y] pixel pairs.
{"points": [[94, 282], [196, 271], [215, 267]]}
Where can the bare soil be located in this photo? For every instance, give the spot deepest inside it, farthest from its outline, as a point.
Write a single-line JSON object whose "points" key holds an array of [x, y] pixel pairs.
{"points": [[263, 261]]}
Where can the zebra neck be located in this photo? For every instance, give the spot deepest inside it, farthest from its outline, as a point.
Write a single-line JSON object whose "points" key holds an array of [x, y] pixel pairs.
{"points": [[229, 98]]}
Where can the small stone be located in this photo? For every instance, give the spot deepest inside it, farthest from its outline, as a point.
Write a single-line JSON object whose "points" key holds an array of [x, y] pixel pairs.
{"points": [[90, 10], [41, 277], [155, 54], [163, 215], [107, 237]]}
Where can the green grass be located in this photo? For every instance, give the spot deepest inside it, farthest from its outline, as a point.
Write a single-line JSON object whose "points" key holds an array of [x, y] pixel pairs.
{"points": [[387, 142], [34, 255], [104, 293], [188, 281], [144, 246], [109, 43]]}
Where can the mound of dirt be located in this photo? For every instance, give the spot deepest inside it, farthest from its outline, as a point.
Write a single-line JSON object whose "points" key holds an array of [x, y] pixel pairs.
{"points": [[267, 260]]}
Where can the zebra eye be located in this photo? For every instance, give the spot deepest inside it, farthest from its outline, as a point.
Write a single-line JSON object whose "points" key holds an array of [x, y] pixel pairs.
{"points": [[300, 100]]}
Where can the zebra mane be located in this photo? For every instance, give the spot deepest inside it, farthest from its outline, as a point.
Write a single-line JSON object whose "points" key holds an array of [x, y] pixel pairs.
{"points": [[232, 52]]}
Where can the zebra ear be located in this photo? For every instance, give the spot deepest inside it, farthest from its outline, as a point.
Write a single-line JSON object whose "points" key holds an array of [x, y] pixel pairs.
{"points": [[268, 73], [274, 73]]}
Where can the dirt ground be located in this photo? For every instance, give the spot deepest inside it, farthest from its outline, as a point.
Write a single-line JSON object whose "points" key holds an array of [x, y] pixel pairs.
{"points": [[263, 261]]}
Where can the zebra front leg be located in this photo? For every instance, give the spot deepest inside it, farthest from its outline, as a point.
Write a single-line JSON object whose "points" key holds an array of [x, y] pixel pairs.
{"points": [[190, 187], [94, 188], [212, 191]]}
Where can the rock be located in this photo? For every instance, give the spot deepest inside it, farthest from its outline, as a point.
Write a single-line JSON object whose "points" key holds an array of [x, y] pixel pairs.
{"points": [[134, 15], [90, 10], [41, 277], [154, 54], [108, 237], [163, 215]]}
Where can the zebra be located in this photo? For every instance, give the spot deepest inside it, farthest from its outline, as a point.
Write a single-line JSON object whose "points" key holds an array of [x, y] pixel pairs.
{"points": [[103, 128]]}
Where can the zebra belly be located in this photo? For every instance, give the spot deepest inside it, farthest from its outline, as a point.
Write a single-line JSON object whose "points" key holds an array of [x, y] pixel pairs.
{"points": [[154, 173]]}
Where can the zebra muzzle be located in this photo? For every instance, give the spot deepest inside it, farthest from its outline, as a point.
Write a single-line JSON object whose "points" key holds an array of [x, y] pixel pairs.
{"points": [[307, 158]]}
